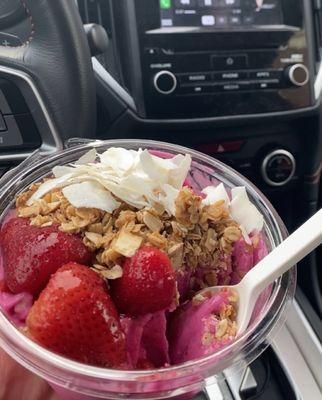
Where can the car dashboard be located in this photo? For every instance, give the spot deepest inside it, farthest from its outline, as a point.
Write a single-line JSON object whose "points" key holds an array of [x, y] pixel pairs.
{"points": [[240, 80]]}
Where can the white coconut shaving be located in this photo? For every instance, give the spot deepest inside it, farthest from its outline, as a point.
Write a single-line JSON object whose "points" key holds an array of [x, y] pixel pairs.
{"points": [[90, 195], [136, 177], [214, 194], [88, 157], [244, 212]]}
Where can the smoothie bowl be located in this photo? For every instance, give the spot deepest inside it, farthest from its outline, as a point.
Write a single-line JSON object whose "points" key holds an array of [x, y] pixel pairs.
{"points": [[104, 248]]}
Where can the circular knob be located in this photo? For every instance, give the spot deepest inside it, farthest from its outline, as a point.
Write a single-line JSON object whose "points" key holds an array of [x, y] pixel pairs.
{"points": [[278, 167], [297, 74], [165, 82]]}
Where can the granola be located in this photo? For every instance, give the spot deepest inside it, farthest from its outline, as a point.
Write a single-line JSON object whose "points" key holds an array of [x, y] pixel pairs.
{"points": [[194, 236]]}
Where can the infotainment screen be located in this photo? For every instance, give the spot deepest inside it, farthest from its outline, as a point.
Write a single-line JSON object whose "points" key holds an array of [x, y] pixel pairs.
{"points": [[220, 13]]}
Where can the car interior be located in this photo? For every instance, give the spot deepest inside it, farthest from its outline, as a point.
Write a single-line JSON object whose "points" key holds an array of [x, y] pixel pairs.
{"points": [[239, 80]]}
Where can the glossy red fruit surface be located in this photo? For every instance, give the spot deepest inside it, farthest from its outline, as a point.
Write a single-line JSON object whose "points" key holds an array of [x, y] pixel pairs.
{"points": [[148, 283], [75, 316], [31, 254]]}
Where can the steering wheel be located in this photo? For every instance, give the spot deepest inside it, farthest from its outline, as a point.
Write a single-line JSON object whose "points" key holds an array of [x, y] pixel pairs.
{"points": [[56, 60]]}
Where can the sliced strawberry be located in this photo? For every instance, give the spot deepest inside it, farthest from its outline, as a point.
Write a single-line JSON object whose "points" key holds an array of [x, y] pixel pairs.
{"points": [[148, 283], [75, 316], [31, 254]]}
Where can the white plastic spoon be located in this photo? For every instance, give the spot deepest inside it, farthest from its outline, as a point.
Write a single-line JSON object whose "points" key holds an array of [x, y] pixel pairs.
{"points": [[300, 243]]}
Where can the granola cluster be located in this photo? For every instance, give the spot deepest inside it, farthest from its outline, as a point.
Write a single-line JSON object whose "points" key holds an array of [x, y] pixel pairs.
{"points": [[225, 327], [194, 236]]}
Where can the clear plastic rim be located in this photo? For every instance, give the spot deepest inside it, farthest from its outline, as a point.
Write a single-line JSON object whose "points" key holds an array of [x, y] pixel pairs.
{"points": [[14, 342]]}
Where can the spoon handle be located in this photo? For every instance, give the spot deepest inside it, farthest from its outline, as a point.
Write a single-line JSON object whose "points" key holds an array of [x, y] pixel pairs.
{"points": [[300, 243]]}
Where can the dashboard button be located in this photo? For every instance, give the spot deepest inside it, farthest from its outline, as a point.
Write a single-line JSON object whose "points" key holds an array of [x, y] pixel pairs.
{"points": [[151, 51], [228, 87], [278, 167], [195, 78], [229, 62], [198, 89], [262, 85], [165, 82], [265, 74], [235, 20], [230, 76], [221, 20], [221, 147], [233, 87]]}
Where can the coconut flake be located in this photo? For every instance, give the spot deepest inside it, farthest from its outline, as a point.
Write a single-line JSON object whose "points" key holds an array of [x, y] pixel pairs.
{"points": [[136, 177], [129, 197], [154, 168], [90, 195], [244, 212], [87, 158], [62, 170], [127, 243], [47, 187], [178, 175], [172, 171], [118, 159], [168, 201], [214, 194]]}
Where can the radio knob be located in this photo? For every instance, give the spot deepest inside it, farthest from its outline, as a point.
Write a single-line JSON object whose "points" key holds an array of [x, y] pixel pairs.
{"points": [[297, 74], [165, 82], [278, 167]]}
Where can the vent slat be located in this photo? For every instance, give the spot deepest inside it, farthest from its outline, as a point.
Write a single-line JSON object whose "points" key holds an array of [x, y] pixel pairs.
{"points": [[99, 14], [86, 13], [318, 28], [95, 11]]}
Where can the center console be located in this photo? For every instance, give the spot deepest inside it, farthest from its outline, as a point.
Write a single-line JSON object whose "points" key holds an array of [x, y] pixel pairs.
{"points": [[212, 58]]}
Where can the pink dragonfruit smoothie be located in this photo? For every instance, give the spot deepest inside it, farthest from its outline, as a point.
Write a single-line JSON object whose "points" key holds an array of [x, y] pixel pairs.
{"points": [[164, 338]]}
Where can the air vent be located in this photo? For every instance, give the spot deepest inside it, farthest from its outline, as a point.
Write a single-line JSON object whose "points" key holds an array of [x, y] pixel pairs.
{"points": [[96, 11], [317, 4], [101, 12]]}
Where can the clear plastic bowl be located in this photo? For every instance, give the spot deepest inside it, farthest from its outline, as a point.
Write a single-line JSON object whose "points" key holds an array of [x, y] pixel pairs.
{"points": [[76, 381]]}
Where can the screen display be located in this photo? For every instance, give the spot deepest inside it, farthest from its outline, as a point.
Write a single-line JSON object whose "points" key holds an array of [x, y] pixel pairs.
{"points": [[220, 13]]}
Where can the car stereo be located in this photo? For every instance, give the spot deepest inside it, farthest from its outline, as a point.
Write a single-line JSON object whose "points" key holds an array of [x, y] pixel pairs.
{"points": [[211, 58]]}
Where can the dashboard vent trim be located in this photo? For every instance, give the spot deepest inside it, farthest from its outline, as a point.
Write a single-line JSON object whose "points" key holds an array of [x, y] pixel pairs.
{"points": [[317, 22], [96, 11], [101, 12]]}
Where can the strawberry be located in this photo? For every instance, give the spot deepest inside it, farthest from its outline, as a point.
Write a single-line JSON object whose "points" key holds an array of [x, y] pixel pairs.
{"points": [[147, 285], [31, 254], [75, 316]]}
